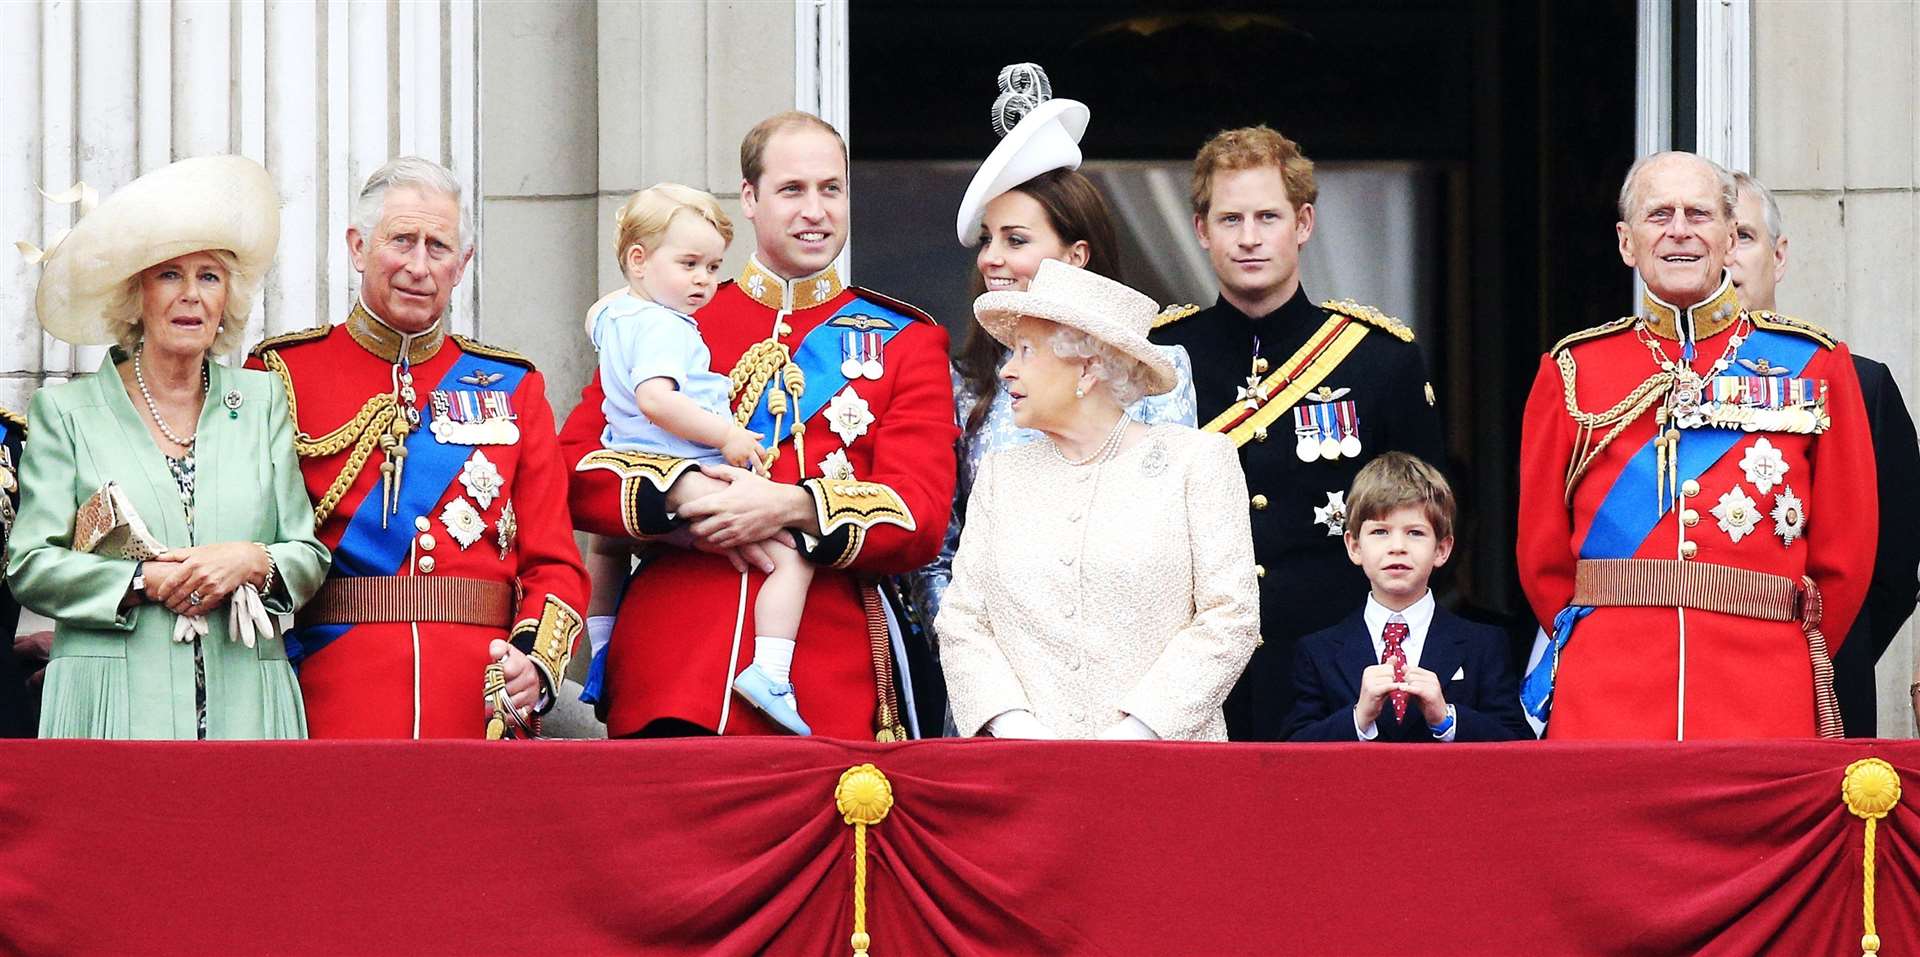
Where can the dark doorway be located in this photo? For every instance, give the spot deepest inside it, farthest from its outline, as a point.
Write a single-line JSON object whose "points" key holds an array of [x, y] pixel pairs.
{"points": [[1511, 121]]}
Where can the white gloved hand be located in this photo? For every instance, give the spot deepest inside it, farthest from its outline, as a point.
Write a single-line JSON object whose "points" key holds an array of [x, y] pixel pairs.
{"points": [[599, 632], [247, 620], [1020, 723], [188, 627], [1128, 728]]}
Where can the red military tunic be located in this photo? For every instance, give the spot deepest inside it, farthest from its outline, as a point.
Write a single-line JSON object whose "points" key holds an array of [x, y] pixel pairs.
{"points": [[879, 463], [1758, 494], [479, 504]]}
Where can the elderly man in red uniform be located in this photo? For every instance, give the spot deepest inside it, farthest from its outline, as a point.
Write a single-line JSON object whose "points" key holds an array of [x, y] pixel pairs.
{"points": [[852, 390], [1693, 520], [439, 486]]}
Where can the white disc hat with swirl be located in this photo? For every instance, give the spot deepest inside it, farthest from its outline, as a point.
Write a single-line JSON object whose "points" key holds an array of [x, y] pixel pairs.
{"points": [[1038, 134]]}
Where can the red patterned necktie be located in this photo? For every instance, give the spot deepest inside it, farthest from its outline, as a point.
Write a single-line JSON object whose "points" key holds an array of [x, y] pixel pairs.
{"points": [[1394, 636]]}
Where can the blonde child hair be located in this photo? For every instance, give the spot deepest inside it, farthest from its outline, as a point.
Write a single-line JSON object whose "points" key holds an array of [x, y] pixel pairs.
{"points": [[645, 216]]}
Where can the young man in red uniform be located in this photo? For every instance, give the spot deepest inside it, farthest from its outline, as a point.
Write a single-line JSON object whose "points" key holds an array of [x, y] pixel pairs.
{"points": [[439, 486], [1694, 533], [852, 391]]}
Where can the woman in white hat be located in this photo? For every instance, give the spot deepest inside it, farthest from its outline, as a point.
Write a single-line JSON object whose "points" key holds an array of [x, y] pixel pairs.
{"points": [[173, 454], [1028, 204], [1105, 583]]}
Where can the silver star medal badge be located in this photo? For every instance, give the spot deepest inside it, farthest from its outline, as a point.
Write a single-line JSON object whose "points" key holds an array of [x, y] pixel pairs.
{"points": [[1334, 514]]}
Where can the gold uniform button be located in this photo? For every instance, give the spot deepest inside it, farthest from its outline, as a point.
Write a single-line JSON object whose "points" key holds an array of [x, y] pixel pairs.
{"points": [[1689, 549], [426, 564], [785, 329], [1259, 435], [420, 523], [1259, 503], [1260, 365], [1689, 488], [1259, 571], [1689, 517], [427, 543]]}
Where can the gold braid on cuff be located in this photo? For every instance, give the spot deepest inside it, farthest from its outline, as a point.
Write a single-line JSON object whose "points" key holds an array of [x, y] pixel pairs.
{"points": [[554, 636]]}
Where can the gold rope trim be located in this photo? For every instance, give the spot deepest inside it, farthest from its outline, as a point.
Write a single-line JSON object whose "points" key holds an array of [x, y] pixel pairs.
{"points": [[1870, 790], [1622, 414], [362, 432], [863, 796]]}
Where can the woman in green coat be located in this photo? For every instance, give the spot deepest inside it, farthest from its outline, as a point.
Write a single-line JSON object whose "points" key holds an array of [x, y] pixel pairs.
{"points": [[168, 647]]}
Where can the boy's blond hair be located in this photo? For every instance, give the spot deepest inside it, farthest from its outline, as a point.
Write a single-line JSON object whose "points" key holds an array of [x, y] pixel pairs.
{"points": [[645, 216], [1395, 480], [1251, 147]]}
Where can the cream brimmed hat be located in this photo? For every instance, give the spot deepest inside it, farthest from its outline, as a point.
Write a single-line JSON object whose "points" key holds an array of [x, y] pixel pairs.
{"points": [[1111, 312], [212, 202], [1039, 134]]}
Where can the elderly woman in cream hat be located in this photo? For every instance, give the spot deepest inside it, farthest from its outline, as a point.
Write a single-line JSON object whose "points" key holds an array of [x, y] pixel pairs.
{"points": [[163, 513], [1104, 586]]}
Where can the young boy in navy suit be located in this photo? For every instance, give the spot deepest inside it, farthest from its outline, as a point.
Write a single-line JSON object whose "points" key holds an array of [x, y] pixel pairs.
{"points": [[1401, 668]]}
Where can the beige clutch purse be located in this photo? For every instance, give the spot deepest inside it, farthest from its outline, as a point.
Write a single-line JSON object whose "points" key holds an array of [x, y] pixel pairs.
{"points": [[107, 525]]}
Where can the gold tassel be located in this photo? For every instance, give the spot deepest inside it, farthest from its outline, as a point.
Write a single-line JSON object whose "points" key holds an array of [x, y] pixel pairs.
{"points": [[864, 796], [1870, 790]]}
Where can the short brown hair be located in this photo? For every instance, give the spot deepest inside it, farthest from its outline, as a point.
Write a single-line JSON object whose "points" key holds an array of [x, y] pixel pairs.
{"points": [[753, 147], [1251, 147], [1395, 480]]}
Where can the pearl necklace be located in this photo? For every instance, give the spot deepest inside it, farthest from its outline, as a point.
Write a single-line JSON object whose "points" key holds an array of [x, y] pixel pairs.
{"points": [[154, 408], [1106, 449]]}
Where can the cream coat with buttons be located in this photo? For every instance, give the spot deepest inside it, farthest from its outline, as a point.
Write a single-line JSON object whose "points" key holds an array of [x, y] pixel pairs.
{"points": [[1086, 594]]}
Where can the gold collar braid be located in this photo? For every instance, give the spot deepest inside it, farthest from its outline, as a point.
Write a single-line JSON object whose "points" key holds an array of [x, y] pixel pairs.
{"points": [[1707, 319], [375, 336], [763, 286]]}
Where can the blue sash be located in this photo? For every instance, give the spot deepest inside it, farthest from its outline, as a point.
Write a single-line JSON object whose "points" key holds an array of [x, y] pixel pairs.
{"points": [[819, 358], [368, 549], [1632, 509]]}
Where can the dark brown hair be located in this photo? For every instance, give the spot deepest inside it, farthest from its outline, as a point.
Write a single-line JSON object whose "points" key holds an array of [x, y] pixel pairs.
{"points": [[1075, 212]]}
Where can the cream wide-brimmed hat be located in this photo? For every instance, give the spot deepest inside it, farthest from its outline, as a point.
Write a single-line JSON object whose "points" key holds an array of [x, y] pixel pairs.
{"points": [[211, 202], [1039, 134], [1112, 312]]}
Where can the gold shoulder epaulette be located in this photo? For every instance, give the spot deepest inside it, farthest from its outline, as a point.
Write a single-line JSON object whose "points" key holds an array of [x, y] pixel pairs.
{"points": [[12, 418], [1371, 316], [1173, 314], [479, 348], [1768, 319], [1592, 332], [293, 338]]}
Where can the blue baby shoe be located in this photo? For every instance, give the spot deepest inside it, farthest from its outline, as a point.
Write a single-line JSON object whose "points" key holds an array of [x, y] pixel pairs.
{"points": [[777, 701]]}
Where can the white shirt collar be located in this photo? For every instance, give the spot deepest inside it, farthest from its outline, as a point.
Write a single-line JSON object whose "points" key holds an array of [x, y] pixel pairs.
{"points": [[1418, 616]]}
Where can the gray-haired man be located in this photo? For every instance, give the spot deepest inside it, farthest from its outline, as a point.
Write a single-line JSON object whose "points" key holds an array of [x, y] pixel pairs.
{"points": [[1758, 263]]}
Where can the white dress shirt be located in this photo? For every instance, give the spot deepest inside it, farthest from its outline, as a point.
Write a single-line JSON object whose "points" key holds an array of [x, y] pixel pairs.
{"points": [[1419, 618]]}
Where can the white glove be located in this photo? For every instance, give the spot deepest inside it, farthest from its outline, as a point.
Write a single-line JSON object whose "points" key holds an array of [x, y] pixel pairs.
{"points": [[188, 627], [1128, 728], [1020, 723], [247, 620], [599, 632]]}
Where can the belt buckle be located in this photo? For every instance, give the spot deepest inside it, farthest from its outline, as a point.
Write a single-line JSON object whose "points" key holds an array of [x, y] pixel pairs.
{"points": [[1806, 602]]}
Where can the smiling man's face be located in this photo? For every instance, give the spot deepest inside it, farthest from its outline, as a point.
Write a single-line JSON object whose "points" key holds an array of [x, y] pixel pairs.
{"points": [[1678, 233]]}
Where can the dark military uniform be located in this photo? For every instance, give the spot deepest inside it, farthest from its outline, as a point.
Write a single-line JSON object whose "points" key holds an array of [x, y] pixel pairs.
{"points": [[16, 713], [1890, 595], [1338, 384]]}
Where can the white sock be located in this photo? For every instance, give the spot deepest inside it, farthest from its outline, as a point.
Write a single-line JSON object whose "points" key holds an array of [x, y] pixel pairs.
{"points": [[599, 632], [775, 657]]}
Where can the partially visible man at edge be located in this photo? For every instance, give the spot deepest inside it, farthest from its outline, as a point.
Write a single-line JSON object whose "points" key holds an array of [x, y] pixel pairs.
{"points": [[439, 485], [1758, 263], [863, 484]]}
